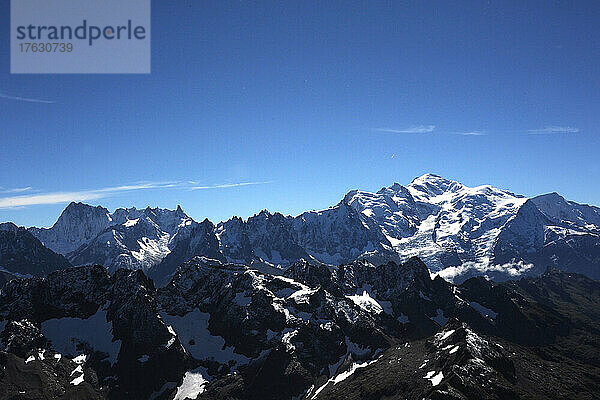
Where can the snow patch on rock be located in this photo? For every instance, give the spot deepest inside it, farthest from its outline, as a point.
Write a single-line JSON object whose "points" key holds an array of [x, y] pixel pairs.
{"points": [[192, 329], [66, 333]]}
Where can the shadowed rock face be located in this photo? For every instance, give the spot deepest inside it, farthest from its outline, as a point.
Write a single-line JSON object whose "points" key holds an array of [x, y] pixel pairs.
{"points": [[514, 332], [456, 363], [544, 338], [335, 235], [201, 241], [21, 254], [70, 299], [47, 378]]}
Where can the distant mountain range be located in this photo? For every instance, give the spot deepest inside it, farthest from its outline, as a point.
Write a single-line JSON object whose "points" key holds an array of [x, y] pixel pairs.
{"points": [[458, 231], [330, 304]]}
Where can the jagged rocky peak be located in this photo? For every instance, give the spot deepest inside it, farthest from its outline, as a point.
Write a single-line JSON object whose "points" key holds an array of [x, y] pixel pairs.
{"points": [[77, 207], [108, 325], [78, 224], [455, 363], [122, 215], [562, 211], [396, 190], [551, 198], [22, 254], [269, 320], [170, 218], [202, 265], [8, 226], [127, 238], [265, 218], [207, 222], [340, 212], [418, 267], [396, 187], [362, 278], [167, 220], [310, 272], [264, 214], [554, 206], [199, 240], [80, 212]]}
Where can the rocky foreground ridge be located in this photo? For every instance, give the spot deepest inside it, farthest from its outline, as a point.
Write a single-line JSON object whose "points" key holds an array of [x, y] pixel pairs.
{"points": [[220, 330]]}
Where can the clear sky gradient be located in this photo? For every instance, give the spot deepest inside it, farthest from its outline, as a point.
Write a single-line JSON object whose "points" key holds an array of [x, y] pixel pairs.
{"points": [[288, 105]]}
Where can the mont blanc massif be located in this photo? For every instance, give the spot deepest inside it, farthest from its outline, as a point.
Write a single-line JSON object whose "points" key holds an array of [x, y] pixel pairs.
{"points": [[433, 290]]}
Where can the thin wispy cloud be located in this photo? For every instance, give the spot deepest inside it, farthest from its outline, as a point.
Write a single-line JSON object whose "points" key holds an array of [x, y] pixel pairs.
{"points": [[67, 197], [553, 129], [95, 194], [412, 129], [230, 185], [49, 198], [429, 129], [15, 190], [469, 133], [25, 99], [550, 129]]}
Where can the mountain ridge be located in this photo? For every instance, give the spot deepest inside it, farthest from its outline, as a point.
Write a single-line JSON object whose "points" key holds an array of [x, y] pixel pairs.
{"points": [[459, 231], [359, 330], [23, 255]]}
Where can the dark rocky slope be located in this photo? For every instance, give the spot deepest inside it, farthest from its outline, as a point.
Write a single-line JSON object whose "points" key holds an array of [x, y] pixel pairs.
{"points": [[21, 254], [356, 331]]}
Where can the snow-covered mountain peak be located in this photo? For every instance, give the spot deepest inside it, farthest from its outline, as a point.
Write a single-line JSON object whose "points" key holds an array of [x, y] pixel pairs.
{"points": [[128, 237], [568, 213], [396, 189], [77, 210], [266, 215], [433, 179], [429, 186], [440, 220], [79, 223], [396, 186], [392, 208], [553, 195], [168, 220], [122, 215]]}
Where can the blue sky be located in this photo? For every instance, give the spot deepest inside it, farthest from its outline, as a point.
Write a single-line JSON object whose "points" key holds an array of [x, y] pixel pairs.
{"points": [[288, 105]]}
